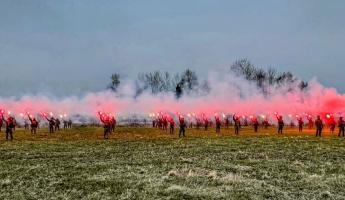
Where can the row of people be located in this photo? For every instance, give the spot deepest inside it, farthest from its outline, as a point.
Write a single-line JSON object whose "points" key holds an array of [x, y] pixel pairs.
{"points": [[319, 124], [10, 123], [110, 123]]}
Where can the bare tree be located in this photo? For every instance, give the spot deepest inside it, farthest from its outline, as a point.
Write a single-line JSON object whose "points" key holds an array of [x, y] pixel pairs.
{"points": [[115, 82], [260, 76], [189, 80], [244, 68], [271, 75], [155, 81], [265, 79]]}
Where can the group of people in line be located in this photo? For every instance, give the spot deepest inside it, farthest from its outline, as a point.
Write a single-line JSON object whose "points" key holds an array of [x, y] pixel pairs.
{"points": [[11, 123], [54, 124], [163, 121]]}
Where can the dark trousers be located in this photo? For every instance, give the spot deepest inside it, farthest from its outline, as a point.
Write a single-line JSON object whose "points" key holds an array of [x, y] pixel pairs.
{"points": [[33, 130], [237, 130], [300, 128], [280, 129], [171, 129], [182, 132], [106, 132], [51, 128], [318, 132], [341, 131], [9, 133], [217, 128], [332, 129]]}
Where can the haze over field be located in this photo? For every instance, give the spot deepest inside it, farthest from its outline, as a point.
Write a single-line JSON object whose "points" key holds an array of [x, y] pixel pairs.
{"points": [[228, 94]]}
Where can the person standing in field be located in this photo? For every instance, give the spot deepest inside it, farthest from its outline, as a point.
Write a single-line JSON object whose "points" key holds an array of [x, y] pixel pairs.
{"points": [[310, 122], [65, 124], [57, 124], [34, 124], [206, 123], [172, 125], [113, 124], [198, 123], [332, 124], [319, 126], [265, 123], [165, 123], [26, 124], [218, 124], [106, 125], [237, 124], [280, 124], [255, 124], [69, 123], [182, 127], [190, 123], [341, 125], [154, 123], [51, 122], [300, 124], [9, 126]]}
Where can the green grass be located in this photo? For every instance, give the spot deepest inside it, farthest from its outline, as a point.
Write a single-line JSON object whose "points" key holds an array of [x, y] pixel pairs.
{"points": [[146, 163]]}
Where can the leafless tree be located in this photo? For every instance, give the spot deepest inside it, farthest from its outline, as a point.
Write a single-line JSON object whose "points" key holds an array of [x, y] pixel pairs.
{"points": [[115, 82]]}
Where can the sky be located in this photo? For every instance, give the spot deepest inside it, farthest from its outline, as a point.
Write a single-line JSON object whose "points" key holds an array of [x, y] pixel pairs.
{"points": [[70, 47]]}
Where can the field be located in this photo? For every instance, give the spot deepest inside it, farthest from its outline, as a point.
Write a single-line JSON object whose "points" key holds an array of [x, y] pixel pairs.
{"points": [[147, 163]]}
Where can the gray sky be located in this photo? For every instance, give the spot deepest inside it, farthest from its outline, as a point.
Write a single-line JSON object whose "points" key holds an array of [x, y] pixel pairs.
{"points": [[74, 46]]}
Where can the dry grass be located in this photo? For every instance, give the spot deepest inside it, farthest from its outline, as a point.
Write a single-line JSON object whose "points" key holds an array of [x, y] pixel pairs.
{"points": [[146, 163]]}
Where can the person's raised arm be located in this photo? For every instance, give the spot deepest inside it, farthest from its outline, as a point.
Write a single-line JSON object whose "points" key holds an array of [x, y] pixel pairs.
{"points": [[30, 118]]}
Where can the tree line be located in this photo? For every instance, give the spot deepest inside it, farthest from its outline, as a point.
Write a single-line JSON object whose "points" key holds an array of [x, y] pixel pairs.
{"points": [[188, 83], [267, 79]]}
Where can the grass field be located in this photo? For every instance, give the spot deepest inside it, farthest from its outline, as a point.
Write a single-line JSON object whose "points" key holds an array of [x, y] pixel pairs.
{"points": [[146, 163]]}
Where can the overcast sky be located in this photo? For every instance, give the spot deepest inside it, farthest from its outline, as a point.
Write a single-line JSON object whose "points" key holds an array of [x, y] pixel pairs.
{"points": [[74, 46]]}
